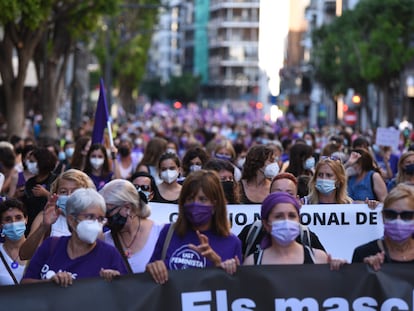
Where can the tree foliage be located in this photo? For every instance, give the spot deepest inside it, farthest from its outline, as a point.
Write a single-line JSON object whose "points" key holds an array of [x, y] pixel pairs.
{"points": [[184, 88], [124, 44], [43, 31], [370, 44]]}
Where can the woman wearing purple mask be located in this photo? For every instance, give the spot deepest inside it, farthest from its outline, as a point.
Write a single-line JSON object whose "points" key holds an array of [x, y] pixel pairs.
{"points": [[397, 245], [201, 236], [280, 217]]}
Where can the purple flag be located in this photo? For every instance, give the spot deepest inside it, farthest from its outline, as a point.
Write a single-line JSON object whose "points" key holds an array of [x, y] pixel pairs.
{"points": [[101, 116]]}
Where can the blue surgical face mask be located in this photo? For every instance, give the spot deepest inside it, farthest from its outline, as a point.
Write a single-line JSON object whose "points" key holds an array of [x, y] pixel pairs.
{"points": [[325, 186], [309, 163], [61, 202], [62, 155], [69, 152], [15, 230]]}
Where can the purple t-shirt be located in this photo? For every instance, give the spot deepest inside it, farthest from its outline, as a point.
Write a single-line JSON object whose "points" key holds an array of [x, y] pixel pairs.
{"points": [[100, 181], [46, 262], [179, 256]]}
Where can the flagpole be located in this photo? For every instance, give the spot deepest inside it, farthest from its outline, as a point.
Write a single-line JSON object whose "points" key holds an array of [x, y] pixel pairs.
{"points": [[109, 127]]}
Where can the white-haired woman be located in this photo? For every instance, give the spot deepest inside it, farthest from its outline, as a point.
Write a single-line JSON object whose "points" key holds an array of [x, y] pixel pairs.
{"points": [[81, 255], [133, 234]]}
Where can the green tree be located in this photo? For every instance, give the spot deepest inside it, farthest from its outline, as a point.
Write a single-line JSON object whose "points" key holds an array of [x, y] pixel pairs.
{"points": [[184, 88], [43, 31], [370, 44], [122, 47]]}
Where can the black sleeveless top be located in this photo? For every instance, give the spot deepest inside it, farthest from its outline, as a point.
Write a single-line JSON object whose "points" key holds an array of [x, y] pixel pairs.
{"points": [[243, 197], [308, 252]]}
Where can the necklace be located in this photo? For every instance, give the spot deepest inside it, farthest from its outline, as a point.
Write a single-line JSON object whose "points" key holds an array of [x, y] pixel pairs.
{"points": [[15, 263], [128, 252]]}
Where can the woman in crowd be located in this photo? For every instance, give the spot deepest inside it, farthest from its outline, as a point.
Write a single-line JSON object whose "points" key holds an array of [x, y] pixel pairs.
{"points": [[367, 182], [169, 169], [132, 232], [81, 255], [52, 222], [202, 231], [328, 185], [226, 172], [252, 234], [405, 171], [41, 164], [80, 153], [13, 219], [98, 166], [8, 169], [224, 150], [258, 170], [145, 183], [280, 218], [68, 151], [149, 163], [127, 161], [25, 174], [301, 160], [397, 244], [194, 160]]}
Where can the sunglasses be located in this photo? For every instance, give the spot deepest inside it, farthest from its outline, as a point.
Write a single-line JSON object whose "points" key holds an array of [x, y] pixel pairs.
{"points": [[332, 157], [390, 214], [142, 187]]}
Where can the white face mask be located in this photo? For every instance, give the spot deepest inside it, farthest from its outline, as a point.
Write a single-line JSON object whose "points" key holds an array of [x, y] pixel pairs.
{"points": [[240, 162], [271, 170], [89, 230], [32, 167], [96, 163], [169, 176], [237, 174], [351, 171], [195, 167]]}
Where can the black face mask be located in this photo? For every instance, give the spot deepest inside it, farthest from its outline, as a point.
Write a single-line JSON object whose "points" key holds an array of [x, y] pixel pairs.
{"points": [[228, 187], [124, 151], [116, 222], [409, 169], [18, 150]]}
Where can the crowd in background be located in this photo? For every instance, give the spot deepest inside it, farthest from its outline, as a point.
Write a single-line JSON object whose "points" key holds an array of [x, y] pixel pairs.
{"points": [[73, 195]]}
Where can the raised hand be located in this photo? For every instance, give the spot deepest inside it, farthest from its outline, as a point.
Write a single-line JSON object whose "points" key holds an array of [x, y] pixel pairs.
{"points": [[204, 249]]}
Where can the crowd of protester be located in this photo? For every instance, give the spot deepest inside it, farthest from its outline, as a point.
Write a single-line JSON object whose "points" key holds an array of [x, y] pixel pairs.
{"points": [[74, 208]]}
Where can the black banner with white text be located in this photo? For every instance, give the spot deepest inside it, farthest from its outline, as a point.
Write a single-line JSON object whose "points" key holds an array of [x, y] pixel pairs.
{"points": [[290, 287]]}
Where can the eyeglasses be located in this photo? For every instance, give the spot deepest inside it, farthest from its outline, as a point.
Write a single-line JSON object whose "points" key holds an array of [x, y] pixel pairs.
{"points": [[332, 157], [143, 187], [390, 214], [100, 219]]}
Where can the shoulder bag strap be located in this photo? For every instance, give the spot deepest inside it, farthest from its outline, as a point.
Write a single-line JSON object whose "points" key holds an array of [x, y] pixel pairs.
{"points": [[252, 235], [167, 241], [121, 251], [258, 256], [8, 268]]}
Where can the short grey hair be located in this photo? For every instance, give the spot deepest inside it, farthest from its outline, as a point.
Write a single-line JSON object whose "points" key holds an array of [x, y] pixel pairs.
{"points": [[83, 198], [120, 191]]}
